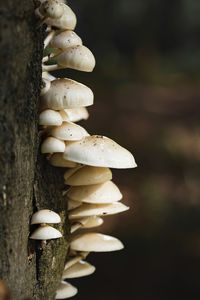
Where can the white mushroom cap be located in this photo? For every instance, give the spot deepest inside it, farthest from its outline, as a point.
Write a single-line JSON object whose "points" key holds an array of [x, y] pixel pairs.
{"points": [[67, 21], [50, 117], [106, 192], [45, 216], [52, 9], [57, 160], [87, 210], [88, 176], [65, 290], [78, 58], [68, 131], [73, 204], [79, 269], [65, 39], [67, 93], [99, 151], [51, 145], [95, 242], [45, 232], [76, 114]]}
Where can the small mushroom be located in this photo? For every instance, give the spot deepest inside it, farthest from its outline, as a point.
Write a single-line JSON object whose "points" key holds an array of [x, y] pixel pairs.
{"points": [[79, 269], [57, 160], [52, 9], [45, 216], [68, 131], [65, 39], [88, 175], [95, 242], [45, 232], [50, 117], [65, 290], [76, 114], [52, 145]]}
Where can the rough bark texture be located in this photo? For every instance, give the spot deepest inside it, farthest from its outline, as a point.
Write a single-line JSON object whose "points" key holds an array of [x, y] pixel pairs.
{"points": [[27, 182]]}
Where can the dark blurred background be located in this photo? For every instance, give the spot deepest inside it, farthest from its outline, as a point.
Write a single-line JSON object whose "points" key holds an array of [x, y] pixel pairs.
{"points": [[146, 86]]}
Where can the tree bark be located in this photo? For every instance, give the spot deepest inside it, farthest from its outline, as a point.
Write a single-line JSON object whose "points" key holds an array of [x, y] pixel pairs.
{"points": [[27, 182]]}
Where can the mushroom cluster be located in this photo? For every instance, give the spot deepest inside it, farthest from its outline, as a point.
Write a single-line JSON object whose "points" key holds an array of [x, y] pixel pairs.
{"points": [[91, 193]]}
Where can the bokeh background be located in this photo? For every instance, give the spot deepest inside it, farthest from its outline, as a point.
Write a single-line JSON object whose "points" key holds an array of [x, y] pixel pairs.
{"points": [[147, 98]]}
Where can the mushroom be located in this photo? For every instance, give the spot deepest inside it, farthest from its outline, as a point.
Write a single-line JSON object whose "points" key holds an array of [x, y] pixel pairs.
{"points": [[45, 232], [57, 160], [95, 242], [87, 210], [79, 269], [68, 131], [65, 39], [66, 93], [106, 192], [45, 216], [52, 9], [50, 117], [99, 151], [76, 114], [65, 290], [51, 145], [88, 175]]}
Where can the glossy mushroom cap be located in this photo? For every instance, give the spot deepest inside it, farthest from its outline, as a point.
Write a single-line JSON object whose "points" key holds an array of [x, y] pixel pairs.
{"points": [[57, 160], [88, 175], [68, 131], [65, 39], [99, 151], [52, 145], [50, 117], [79, 269], [45, 232], [65, 290], [45, 216], [78, 58], [95, 242], [66, 93]]}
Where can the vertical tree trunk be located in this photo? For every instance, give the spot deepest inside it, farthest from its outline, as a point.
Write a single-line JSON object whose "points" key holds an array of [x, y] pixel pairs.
{"points": [[27, 182]]}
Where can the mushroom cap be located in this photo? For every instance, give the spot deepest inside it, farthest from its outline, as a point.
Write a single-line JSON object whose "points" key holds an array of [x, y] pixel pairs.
{"points": [[67, 21], [45, 216], [65, 290], [87, 210], [73, 204], [57, 160], [77, 57], [45, 232], [50, 117], [51, 145], [65, 39], [68, 131], [51, 8], [67, 93], [79, 269], [106, 192], [88, 175], [90, 222], [99, 151], [95, 242], [76, 114]]}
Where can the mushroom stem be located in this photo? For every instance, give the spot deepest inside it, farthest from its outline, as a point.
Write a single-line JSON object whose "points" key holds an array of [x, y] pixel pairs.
{"points": [[51, 68], [49, 38], [50, 56]]}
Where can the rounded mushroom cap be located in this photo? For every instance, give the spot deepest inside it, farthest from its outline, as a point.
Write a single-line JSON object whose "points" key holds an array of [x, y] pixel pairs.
{"points": [[99, 151], [88, 175], [50, 117], [67, 93], [77, 57], [45, 216], [95, 242], [67, 21], [52, 9], [79, 269], [87, 210], [57, 160], [65, 39], [45, 232], [65, 290], [76, 114], [106, 192], [68, 131], [51, 145]]}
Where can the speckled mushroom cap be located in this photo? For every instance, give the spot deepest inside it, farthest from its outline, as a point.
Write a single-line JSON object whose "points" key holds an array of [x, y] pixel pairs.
{"points": [[95, 242], [57, 160], [67, 21], [68, 131], [52, 145], [106, 192], [76, 114], [66, 93], [87, 210], [79, 269], [88, 175], [65, 290], [45, 216], [50, 117], [45, 232], [99, 151], [51, 8], [78, 58], [65, 39]]}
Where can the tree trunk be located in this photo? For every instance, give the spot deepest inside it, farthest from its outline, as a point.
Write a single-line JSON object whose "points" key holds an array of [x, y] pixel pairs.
{"points": [[27, 182]]}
